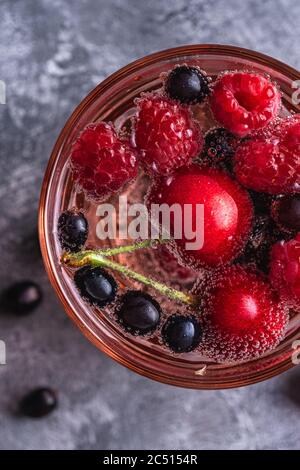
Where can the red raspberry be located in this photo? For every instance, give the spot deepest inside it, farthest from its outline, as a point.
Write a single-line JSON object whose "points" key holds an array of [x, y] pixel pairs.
{"points": [[166, 134], [285, 271], [228, 213], [241, 314], [243, 102], [271, 163], [102, 163]]}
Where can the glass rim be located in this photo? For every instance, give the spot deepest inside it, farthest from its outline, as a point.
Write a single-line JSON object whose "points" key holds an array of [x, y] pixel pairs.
{"points": [[187, 50]]}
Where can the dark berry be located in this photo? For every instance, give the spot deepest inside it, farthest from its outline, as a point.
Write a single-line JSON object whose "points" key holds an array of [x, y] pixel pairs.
{"points": [[95, 285], [38, 403], [257, 249], [286, 212], [219, 146], [22, 297], [181, 333], [139, 312], [261, 201], [187, 84], [72, 230]]}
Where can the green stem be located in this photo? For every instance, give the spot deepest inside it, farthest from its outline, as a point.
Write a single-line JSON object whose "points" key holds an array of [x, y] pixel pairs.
{"points": [[120, 249], [94, 258]]}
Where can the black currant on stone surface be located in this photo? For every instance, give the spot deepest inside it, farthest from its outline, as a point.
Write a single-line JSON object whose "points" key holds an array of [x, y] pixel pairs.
{"points": [[138, 312], [187, 84], [22, 297], [38, 403], [181, 333], [72, 230], [96, 285]]}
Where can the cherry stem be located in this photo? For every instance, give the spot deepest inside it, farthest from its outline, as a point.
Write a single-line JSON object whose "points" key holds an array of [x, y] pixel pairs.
{"points": [[99, 258], [127, 248]]}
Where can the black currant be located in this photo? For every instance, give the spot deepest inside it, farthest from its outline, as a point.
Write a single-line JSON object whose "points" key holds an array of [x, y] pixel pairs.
{"points": [[72, 230], [38, 403], [187, 84], [22, 297], [182, 333], [139, 313], [219, 145], [96, 285]]}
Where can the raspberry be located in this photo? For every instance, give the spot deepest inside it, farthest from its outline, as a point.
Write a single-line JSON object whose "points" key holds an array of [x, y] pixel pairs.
{"points": [[244, 102], [165, 134], [227, 213], [102, 163], [285, 270], [241, 314], [271, 163]]}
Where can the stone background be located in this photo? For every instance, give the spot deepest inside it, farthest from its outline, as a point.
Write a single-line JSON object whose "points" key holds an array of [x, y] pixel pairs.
{"points": [[51, 55]]}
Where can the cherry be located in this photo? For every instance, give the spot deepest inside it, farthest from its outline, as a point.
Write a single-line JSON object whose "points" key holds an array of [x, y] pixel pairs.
{"points": [[228, 213], [22, 297], [95, 285], [187, 84], [72, 228], [241, 314]]}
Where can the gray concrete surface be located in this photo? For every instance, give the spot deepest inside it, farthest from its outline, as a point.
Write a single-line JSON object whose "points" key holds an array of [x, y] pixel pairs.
{"points": [[51, 55]]}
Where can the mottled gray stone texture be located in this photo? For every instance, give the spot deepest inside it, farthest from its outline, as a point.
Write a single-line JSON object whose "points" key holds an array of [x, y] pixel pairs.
{"points": [[52, 53]]}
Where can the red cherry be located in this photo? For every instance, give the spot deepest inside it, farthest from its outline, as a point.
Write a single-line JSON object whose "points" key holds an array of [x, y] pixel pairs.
{"points": [[242, 315], [227, 213]]}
